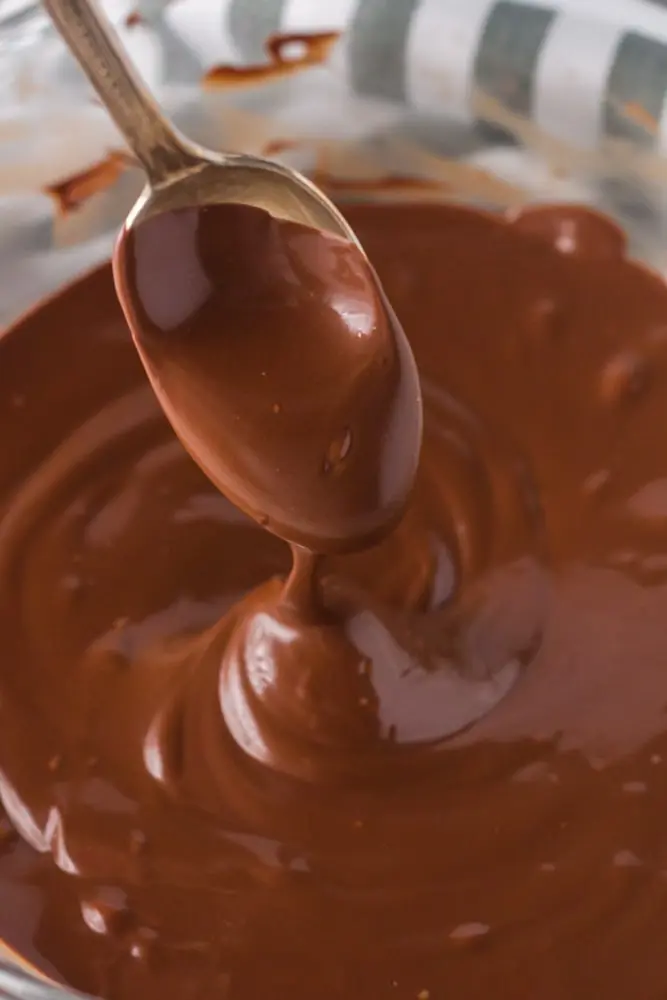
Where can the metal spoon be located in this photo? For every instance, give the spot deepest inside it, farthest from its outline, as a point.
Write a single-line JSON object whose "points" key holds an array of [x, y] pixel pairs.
{"points": [[239, 278], [180, 173]]}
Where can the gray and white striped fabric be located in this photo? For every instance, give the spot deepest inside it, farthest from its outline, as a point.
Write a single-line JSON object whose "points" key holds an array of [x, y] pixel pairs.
{"points": [[511, 100], [581, 71]]}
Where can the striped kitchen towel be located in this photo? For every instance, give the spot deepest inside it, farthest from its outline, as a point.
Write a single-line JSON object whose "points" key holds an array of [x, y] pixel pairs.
{"points": [[512, 100], [580, 71]]}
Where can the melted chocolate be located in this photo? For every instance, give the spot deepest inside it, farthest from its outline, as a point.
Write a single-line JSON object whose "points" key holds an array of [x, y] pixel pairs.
{"points": [[519, 606], [313, 49], [281, 367], [287, 377], [73, 192]]}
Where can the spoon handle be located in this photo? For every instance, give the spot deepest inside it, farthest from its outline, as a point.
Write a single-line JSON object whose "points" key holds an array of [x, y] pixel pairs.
{"points": [[94, 42]]}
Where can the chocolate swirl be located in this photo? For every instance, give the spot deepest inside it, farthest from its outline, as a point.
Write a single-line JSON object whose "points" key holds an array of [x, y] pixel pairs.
{"points": [[512, 838]]}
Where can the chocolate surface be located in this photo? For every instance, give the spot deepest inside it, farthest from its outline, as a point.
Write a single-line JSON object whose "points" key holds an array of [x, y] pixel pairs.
{"points": [[518, 609]]}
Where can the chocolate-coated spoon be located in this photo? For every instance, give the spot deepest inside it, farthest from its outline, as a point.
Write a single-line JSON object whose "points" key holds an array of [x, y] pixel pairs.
{"points": [[260, 322]]}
